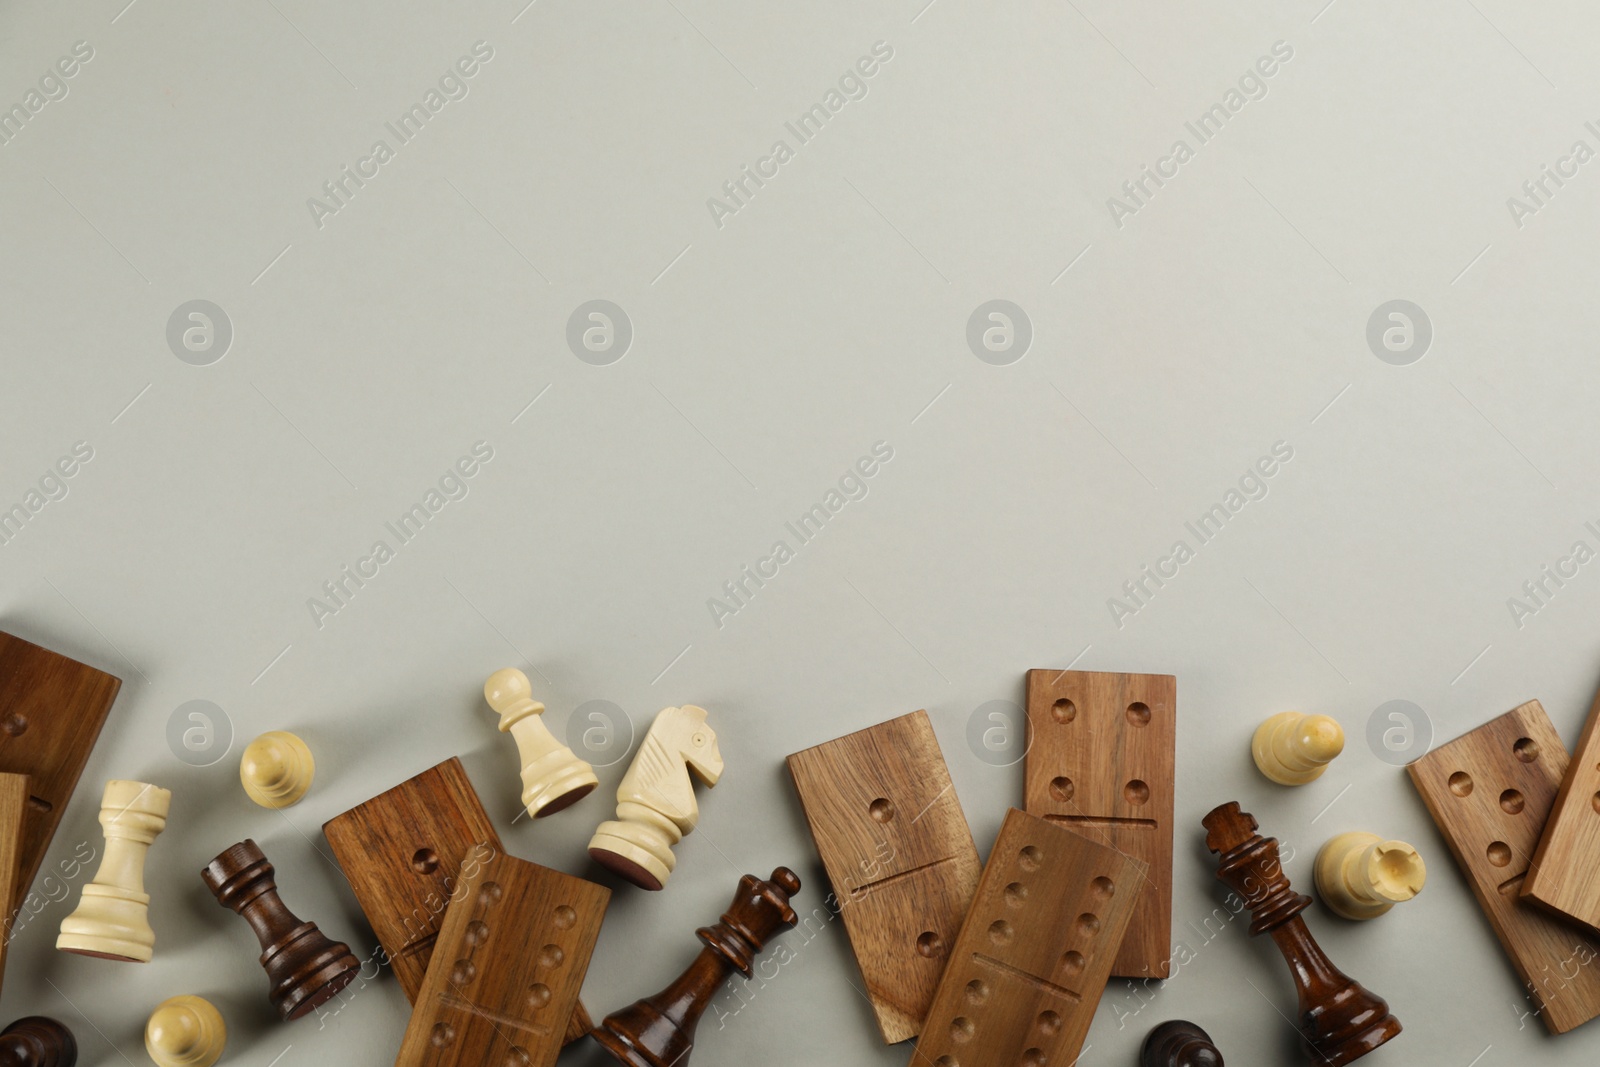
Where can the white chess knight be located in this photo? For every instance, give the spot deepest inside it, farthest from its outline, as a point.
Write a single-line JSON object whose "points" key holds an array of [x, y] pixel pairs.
{"points": [[655, 803], [112, 920], [552, 777]]}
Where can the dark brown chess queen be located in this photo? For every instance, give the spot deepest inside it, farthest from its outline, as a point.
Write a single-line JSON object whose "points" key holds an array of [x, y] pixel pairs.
{"points": [[37, 1042], [1340, 1021], [1177, 1043], [659, 1031], [304, 967]]}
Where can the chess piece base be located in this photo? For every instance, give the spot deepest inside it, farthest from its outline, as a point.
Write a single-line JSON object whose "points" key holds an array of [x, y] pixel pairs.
{"points": [[109, 924], [553, 796], [643, 1019], [37, 1041], [313, 982], [613, 849]]}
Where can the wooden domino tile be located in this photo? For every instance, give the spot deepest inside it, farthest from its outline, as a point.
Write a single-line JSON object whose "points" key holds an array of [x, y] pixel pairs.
{"points": [[507, 966], [51, 712], [898, 851], [1562, 876], [1489, 791], [402, 853], [1035, 951], [1100, 762], [13, 812]]}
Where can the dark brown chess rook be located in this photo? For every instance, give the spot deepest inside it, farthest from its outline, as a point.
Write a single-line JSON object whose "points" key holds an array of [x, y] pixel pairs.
{"points": [[1340, 1021], [305, 968], [1176, 1043], [659, 1031], [37, 1042]]}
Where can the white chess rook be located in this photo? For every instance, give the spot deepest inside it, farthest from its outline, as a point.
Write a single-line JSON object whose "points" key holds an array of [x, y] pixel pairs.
{"points": [[552, 777], [655, 803], [112, 920]]}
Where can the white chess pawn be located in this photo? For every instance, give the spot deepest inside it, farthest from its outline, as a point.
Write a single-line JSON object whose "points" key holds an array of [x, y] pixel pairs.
{"points": [[276, 769], [655, 803], [185, 1031], [112, 920], [552, 777], [1361, 876], [1293, 748]]}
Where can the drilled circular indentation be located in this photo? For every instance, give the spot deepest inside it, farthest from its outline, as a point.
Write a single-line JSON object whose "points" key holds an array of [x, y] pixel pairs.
{"points": [[1499, 853], [463, 972], [442, 1036], [15, 724], [1064, 710], [946, 1061], [930, 944], [565, 917], [1071, 963], [538, 995], [1061, 788], [477, 932], [1511, 802], [1527, 749], [1461, 783], [1016, 895], [517, 1056], [1088, 924], [424, 861], [1000, 932], [961, 1029], [1034, 1057], [1030, 857], [551, 956], [1139, 713], [882, 809], [490, 893], [1595, 801], [977, 991], [1048, 1023], [1136, 792], [1102, 887]]}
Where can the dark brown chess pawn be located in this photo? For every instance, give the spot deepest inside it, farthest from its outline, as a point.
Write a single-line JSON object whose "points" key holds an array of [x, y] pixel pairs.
{"points": [[1179, 1044], [659, 1031], [37, 1042], [304, 968], [1340, 1021]]}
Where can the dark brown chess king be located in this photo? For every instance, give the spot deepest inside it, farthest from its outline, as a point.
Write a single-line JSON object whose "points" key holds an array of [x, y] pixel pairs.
{"points": [[37, 1042], [659, 1031], [1340, 1021], [305, 968]]}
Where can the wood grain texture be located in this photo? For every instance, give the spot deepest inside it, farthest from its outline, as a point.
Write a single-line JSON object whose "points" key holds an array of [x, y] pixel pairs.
{"points": [[1490, 791], [1562, 875], [51, 712], [1035, 951], [890, 831], [402, 852], [1100, 761], [13, 814], [507, 967]]}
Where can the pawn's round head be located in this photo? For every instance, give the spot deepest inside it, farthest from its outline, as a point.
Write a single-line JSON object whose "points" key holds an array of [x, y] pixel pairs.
{"points": [[185, 1031], [1321, 736], [506, 689]]}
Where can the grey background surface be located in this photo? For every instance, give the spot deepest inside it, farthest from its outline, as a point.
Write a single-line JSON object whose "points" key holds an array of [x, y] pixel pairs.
{"points": [[1228, 313]]}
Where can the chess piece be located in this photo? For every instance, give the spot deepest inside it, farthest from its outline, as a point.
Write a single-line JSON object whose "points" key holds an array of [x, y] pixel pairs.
{"points": [[1292, 748], [1179, 1044], [112, 921], [277, 769], [1361, 876], [37, 1042], [659, 1031], [185, 1031], [1340, 1021], [552, 777], [305, 969], [655, 802]]}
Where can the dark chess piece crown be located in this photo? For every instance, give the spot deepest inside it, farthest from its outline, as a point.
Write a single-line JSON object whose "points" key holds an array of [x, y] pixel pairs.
{"points": [[659, 1031], [1340, 1020], [37, 1042], [305, 968], [1177, 1043]]}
